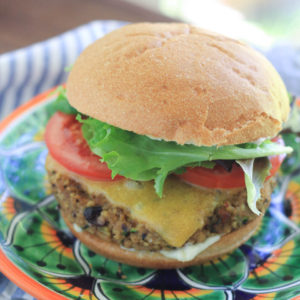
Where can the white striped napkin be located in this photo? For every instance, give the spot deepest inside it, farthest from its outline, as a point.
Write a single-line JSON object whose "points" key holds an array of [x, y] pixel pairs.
{"points": [[27, 72]]}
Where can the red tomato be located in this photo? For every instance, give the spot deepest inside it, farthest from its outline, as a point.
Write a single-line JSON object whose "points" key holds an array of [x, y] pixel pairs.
{"points": [[218, 177], [66, 144]]}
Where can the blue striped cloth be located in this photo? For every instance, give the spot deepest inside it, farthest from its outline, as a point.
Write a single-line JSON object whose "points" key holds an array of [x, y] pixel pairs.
{"points": [[27, 72]]}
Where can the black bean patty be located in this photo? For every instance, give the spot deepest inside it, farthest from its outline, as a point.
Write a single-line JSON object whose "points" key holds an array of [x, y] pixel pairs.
{"points": [[97, 215]]}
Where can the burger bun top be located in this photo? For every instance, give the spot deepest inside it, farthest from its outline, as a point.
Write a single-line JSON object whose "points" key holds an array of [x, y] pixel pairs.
{"points": [[176, 82]]}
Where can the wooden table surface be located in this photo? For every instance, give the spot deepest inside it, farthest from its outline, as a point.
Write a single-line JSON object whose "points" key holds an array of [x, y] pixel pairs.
{"points": [[23, 22]]}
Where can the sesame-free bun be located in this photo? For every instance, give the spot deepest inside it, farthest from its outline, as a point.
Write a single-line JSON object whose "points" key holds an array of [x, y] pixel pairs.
{"points": [[156, 260], [179, 83]]}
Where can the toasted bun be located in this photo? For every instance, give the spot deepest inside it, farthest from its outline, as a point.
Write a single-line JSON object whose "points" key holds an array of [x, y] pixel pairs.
{"points": [[156, 260], [179, 83]]}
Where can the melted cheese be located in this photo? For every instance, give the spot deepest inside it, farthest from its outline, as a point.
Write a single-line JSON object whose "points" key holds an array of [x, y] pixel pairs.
{"points": [[176, 216]]}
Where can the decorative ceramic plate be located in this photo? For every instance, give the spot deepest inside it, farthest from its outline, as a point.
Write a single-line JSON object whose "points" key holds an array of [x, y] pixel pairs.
{"points": [[39, 254]]}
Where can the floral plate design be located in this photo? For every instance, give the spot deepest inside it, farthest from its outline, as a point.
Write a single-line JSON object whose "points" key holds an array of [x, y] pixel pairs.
{"points": [[39, 253]]}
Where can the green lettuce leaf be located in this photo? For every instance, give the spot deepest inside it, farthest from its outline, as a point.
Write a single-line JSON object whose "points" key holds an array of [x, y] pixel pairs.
{"points": [[61, 103], [255, 172], [68, 68], [141, 158]]}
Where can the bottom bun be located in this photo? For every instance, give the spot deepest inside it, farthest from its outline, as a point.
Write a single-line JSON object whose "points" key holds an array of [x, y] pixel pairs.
{"points": [[156, 260]]}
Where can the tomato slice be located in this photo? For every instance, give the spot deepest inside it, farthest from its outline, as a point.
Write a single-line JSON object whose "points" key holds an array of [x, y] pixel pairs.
{"points": [[66, 144], [218, 177]]}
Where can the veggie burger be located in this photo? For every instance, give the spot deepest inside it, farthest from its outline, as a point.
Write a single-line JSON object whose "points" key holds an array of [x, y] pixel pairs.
{"points": [[164, 149]]}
